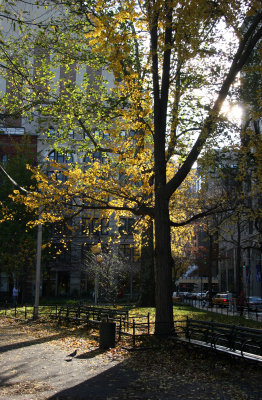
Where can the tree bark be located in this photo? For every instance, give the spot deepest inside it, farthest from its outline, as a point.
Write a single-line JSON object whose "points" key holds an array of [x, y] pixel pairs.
{"points": [[210, 262], [147, 270], [163, 262], [239, 272]]}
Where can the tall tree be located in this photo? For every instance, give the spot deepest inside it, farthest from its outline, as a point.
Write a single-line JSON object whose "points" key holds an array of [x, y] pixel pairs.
{"points": [[170, 84]]}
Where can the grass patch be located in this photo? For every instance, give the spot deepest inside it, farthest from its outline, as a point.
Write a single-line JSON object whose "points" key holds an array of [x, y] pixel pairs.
{"points": [[181, 312]]}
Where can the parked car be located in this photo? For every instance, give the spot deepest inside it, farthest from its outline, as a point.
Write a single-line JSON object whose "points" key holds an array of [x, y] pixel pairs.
{"points": [[213, 294], [176, 297], [201, 295], [192, 295], [220, 299], [183, 294], [254, 303]]}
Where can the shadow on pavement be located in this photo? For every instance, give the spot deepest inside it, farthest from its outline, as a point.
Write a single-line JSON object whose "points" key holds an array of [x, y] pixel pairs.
{"points": [[109, 383], [90, 354], [28, 343]]}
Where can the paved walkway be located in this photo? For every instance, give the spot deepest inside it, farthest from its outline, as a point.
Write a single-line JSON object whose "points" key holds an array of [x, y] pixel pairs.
{"points": [[38, 367]]}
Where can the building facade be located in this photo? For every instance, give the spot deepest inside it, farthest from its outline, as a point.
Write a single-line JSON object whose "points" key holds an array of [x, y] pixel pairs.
{"points": [[65, 272]]}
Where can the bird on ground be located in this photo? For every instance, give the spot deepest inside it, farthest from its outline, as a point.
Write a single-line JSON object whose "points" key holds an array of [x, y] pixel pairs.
{"points": [[72, 354]]}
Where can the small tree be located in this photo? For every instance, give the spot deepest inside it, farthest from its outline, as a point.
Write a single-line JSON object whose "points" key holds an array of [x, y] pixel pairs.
{"points": [[109, 271]]}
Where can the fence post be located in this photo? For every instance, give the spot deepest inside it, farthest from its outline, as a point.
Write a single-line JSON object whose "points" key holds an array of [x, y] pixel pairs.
{"points": [[148, 324], [134, 333], [186, 329], [120, 327]]}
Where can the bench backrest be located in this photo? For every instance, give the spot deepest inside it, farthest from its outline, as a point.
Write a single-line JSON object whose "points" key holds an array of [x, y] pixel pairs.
{"points": [[232, 336]]}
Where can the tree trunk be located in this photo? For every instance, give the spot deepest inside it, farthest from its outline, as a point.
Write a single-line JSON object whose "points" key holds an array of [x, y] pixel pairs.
{"points": [[238, 266], [163, 262], [210, 262], [147, 270]]}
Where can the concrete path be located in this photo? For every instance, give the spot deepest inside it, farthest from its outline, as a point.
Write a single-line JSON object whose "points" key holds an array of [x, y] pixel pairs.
{"points": [[34, 368], [41, 367]]}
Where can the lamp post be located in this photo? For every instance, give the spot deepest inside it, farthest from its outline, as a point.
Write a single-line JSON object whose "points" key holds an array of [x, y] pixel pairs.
{"points": [[96, 250], [38, 270], [99, 259]]}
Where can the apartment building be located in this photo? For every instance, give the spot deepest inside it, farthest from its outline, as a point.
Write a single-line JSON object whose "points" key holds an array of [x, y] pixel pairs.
{"points": [[66, 271]]}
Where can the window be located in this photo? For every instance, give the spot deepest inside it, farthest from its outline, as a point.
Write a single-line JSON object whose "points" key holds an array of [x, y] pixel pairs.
{"points": [[125, 250], [61, 158], [248, 185], [12, 131], [97, 135], [249, 202], [129, 252], [99, 157], [55, 156], [85, 249], [87, 159], [87, 226], [136, 254], [126, 227], [61, 255], [104, 226], [124, 179], [53, 132], [95, 227], [59, 176], [250, 227], [3, 158], [96, 156], [4, 282]]}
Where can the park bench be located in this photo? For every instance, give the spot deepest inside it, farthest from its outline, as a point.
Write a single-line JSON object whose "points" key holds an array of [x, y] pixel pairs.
{"points": [[69, 313], [237, 341], [90, 314]]}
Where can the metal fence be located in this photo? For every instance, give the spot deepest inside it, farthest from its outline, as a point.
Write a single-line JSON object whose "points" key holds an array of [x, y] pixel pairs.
{"points": [[255, 315], [131, 328], [26, 311]]}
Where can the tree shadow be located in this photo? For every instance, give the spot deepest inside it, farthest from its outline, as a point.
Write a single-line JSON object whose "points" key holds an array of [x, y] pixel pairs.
{"points": [[90, 354], [5, 378], [28, 343], [110, 383]]}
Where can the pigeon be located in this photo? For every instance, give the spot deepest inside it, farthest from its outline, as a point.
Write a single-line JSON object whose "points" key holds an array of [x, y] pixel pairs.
{"points": [[72, 354]]}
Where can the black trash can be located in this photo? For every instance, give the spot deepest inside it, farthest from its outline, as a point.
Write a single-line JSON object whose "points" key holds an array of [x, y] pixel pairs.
{"points": [[107, 337]]}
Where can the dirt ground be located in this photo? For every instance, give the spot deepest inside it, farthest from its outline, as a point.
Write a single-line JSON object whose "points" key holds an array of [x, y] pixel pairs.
{"points": [[42, 362]]}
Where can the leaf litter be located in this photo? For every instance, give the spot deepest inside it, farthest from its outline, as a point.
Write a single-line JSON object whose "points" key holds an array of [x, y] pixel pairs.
{"points": [[162, 371]]}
